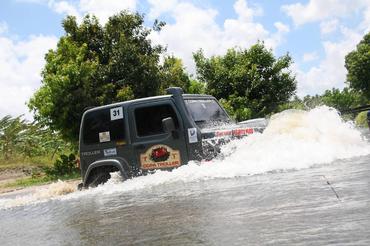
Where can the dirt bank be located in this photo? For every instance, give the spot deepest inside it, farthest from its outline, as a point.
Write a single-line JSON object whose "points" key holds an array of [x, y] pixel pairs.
{"points": [[68, 186], [12, 175]]}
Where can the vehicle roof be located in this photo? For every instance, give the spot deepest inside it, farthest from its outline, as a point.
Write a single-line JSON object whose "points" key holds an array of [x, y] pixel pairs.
{"points": [[146, 99]]}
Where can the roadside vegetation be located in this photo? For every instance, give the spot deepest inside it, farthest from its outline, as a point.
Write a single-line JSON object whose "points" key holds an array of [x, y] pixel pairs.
{"points": [[33, 152], [96, 64]]}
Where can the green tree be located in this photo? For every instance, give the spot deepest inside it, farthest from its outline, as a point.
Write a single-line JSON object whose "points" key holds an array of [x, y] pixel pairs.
{"points": [[358, 66], [196, 87], [341, 100], [253, 81], [173, 74], [295, 103], [95, 65], [11, 135], [19, 138]]}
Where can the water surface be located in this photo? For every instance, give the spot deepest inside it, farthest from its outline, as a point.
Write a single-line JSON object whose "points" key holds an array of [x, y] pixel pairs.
{"points": [[271, 189]]}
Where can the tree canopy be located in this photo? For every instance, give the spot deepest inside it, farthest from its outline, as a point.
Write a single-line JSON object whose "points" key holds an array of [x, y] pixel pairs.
{"points": [[95, 65], [342, 100], [173, 74], [358, 66], [19, 138], [251, 82]]}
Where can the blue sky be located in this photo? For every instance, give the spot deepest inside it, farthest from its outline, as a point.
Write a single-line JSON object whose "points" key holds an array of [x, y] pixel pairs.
{"points": [[316, 33]]}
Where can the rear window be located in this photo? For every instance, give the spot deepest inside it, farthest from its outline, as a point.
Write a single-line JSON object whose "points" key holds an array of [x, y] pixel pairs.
{"points": [[103, 126], [149, 119]]}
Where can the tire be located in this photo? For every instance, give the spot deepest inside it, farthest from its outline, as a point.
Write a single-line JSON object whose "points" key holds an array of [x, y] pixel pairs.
{"points": [[98, 178], [210, 150]]}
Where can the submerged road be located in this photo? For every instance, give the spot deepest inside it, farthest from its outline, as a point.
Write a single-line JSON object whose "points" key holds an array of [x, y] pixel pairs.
{"points": [[291, 207], [275, 192]]}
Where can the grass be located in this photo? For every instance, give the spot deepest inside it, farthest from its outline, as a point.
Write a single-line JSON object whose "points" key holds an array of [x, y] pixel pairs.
{"points": [[35, 167], [37, 180], [17, 162]]}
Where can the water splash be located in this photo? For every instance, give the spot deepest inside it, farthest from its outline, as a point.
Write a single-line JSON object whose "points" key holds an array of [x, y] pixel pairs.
{"points": [[294, 139], [44, 193]]}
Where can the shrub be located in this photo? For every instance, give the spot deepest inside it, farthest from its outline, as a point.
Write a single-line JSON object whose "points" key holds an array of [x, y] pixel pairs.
{"points": [[64, 165]]}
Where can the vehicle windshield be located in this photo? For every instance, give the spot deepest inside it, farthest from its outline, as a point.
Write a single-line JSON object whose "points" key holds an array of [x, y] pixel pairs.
{"points": [[206, 112]]}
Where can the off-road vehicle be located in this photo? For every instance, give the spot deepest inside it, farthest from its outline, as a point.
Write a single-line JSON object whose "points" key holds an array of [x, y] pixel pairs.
{"points": [[163, 132]]}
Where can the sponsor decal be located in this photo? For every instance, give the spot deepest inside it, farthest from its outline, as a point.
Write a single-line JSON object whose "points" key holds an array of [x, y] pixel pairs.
{"points": [[116, 113], [192, 134], [110, 152], [104, 137], [90, 153], [223, 133], [160, 156], [242, 132], [235, 132]]}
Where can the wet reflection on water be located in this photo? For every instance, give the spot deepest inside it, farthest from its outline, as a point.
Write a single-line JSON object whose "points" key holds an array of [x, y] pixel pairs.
{"points": [[295, 207]]}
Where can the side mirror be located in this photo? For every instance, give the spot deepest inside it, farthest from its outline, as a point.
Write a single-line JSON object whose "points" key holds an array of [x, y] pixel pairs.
{"points": [[168, 125]]}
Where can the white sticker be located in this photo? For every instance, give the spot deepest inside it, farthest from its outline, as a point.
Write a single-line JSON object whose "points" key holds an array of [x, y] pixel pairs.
{"points": [[116, 113], [110, 152], [104, 137], [192, 133]]}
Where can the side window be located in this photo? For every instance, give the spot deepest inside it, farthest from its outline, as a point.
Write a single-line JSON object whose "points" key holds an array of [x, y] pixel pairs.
{"points": [[98, 127], [149, 119]]}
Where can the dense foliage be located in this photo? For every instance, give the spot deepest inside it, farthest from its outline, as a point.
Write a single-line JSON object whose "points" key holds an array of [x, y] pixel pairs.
{"points": [[358, 65], [339, 99], [173, 74], [63, 166], [94, 65], [21, 139], [343, 99], [250, 82]]}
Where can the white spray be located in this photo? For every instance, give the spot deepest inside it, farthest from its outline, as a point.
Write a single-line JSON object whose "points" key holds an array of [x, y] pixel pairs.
{"points": [[294, 139]]}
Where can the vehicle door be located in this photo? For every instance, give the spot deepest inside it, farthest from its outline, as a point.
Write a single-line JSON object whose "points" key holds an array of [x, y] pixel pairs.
{"points": [[153, 146]]}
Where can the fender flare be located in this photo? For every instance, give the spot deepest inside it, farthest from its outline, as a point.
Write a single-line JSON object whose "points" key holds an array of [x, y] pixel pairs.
{"points": [[121, 165]]}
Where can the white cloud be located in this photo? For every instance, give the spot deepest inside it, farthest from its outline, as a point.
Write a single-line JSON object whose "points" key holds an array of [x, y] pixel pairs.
{"points": [[101, 9], [282, 28], [245, 12], [63, 7], [159, 7], [277, 38], [21, 64], [195, 28], [104, 9], [365, 24], [330, 26], [319, 10], [308, 57], [330, 72]]}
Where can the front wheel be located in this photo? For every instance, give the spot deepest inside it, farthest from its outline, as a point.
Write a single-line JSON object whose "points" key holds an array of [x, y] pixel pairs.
{"points": [[98, 178]]}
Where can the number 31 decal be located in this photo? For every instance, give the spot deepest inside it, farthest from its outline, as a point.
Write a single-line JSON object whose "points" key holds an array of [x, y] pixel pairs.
{"points": [[116, 113]]}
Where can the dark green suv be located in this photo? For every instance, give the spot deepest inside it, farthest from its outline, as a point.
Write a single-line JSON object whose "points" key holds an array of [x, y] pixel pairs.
{"points": [[163, 132]]}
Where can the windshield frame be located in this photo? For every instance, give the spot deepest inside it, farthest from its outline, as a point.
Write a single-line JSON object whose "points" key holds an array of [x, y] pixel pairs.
{"points": [[224, 120]]}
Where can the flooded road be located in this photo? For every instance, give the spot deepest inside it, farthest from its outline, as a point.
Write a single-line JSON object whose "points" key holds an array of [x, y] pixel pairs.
{"points": [[277, 188]]}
